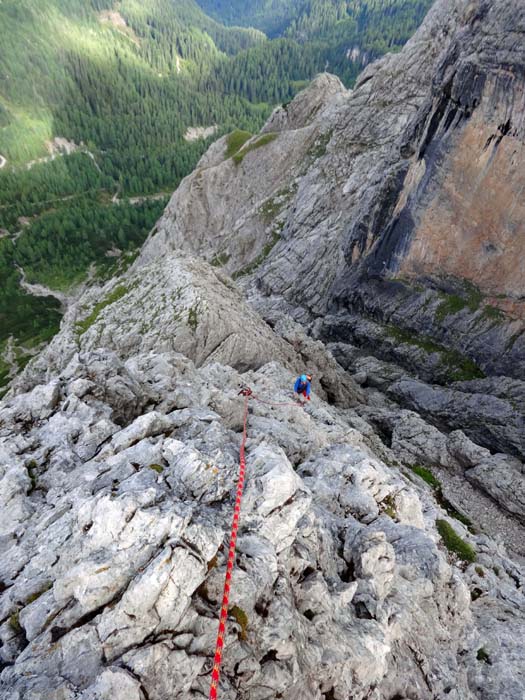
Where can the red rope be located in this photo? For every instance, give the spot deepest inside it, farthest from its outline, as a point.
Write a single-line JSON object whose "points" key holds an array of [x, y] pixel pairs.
{"points": [[231, 560], [219, 648], [271, 403]]}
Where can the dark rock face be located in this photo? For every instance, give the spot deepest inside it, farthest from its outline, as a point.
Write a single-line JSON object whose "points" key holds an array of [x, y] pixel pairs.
{"points": [[490, 421], [478, 330]]}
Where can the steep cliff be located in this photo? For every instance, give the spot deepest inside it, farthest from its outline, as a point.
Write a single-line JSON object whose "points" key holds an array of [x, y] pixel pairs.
{"points": [[400, 201], [454, 221]]}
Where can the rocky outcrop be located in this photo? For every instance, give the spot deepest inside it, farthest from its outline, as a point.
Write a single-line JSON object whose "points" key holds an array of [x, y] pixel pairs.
{"points": [[449, 429], [381, 543], [116, 480], [489, 420], [116, 475], [454, 221], [184, 306], [397, 202]]}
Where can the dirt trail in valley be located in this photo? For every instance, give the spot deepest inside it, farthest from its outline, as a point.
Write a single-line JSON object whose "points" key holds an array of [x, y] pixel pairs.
{"points": [[39, 290]]}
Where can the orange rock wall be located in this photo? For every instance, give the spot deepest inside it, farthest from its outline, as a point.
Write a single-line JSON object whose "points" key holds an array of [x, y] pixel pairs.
{"points": [[470, 223]]}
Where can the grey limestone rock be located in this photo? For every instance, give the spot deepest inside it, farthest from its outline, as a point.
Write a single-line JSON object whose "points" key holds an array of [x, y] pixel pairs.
{"points": [[119, 444], [114, 567]]}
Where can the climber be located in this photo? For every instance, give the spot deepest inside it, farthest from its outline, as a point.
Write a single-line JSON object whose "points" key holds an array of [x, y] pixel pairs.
{"points": [[303, 386]]}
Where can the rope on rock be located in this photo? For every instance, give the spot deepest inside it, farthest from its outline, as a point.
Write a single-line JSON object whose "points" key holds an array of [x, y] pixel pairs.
{"points": [[295, 404], [215, 676], [219, 647]]}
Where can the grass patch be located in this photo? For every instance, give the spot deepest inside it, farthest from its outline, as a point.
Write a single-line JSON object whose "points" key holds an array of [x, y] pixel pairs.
{"points": [[454, 303], [260, 258], [193, 318], [4, 374], [512, 340], [235, 141], [426, 475], [14, 622], [31, 468], [454, 543], [435, 484], [156, 468], [318, 150], [270, 209], [22, 361], [107, 270], [459, 368], [242, 620], [263, 140], [273, 206], [389, 507], [113, 297], [38, 594], [492, 313], [220, 260], [458, 516]]}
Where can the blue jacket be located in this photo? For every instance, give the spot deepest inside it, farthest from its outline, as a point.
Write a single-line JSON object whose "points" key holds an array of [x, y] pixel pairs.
{"points": [[301, 386]]}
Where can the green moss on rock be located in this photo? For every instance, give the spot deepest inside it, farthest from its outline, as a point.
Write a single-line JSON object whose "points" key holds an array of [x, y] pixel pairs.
{"points": [[220, 260], [493, 313], [193, 318], [426, 475], [470, 297], [454, 543], [235, 141], [318, 150], [242, 620], [39, 593], [258, 143], [156, 468], [5, 372], [260, 258], [14, 622], [435, 485], [113, 297], [459, 368]]}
